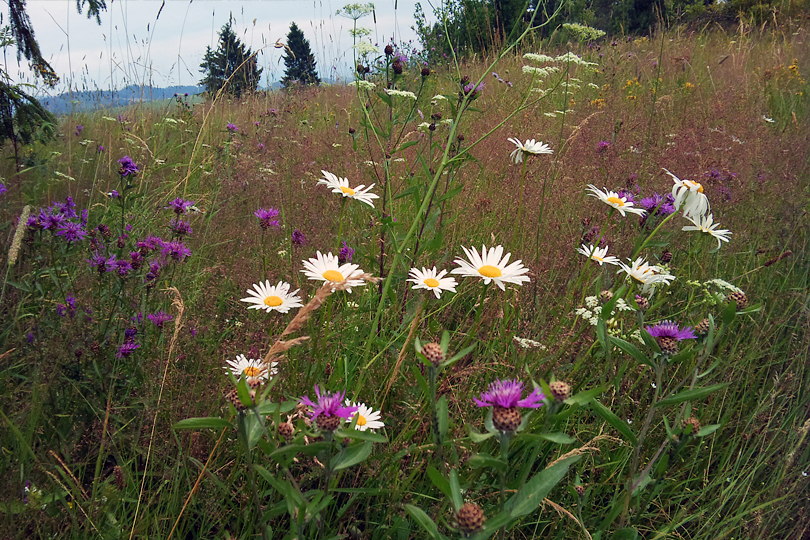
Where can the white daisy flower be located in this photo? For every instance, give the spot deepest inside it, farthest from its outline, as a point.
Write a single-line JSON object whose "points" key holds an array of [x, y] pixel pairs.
{"points": [[252, 369], [647, 274], [529, 147], [367, 418], [273, 297], [432, 280], [327, 268], [689, 194], [705, 224], [341, 185], [598, 254], [611, 198], [491, 265]]}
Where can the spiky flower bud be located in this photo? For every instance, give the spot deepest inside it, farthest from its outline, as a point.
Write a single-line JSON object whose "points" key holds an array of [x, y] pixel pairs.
{"points": [[738, 298], [397, 66], [506, 419], [286, 430], [642, 302], [702, 327], [580, 489], [606, 295], [693, 422], [433, 352], [328, 423], [668, 345], [352, 131], [561, 390], [470, 518], [233, 396], [666, 256], [389, 50], [425, 71]]}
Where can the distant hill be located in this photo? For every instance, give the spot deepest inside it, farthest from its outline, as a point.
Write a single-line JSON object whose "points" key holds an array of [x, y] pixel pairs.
{"points": [[101, 99]]}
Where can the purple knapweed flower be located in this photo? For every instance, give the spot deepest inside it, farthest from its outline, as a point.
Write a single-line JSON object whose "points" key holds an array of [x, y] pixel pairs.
{"points": [[131, 332], [100, 148], [114, 194], [176, 250], [328, 409], [628, 195], [71, 232], [121, 266], [78, 130], [667, 334], [260, 146], [505, 393], [662, 205], [231, 127], [68, 308], [266, 217], [159, 318], [472, 90], [154, 271], [3, 189], [602, 146], [298, 238], [128, 167], [150, 243], [180, 227], [345, 254], [99, 262], [126, 349], [180, 206]]}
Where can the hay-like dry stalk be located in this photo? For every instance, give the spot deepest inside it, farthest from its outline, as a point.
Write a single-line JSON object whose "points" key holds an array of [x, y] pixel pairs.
{"points": [[589, 446], [561, 511], [19, 232]]}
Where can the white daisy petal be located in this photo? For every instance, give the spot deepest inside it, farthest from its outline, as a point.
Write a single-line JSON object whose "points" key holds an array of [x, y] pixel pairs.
{"points": [[646, 274], [341, 186], [252, 369], [367, 418], [705, 224], [531, 147], [689, 195], [273, 297], [598, 254], [432, 280], [491, 266], [612, 199], [328, 268]]}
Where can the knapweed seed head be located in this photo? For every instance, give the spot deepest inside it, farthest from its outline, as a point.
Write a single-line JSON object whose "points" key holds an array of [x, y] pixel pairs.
{"points": [[328, 409], [642, 302], [561, 390], [667, 334], [606, 295], [433, 352], [470, 518], [692, 422], [738, 298], [286, 430]]}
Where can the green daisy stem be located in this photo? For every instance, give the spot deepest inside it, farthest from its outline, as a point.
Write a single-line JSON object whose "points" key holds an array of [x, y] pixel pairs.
{"points": [[651, 235], [522, 198]]}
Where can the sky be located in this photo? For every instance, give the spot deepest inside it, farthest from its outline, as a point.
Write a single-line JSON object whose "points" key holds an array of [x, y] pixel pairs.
{"points": [[162, 43]]}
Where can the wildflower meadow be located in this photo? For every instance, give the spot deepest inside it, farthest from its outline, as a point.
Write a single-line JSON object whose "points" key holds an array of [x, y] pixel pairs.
{"points": [[558, 290]]}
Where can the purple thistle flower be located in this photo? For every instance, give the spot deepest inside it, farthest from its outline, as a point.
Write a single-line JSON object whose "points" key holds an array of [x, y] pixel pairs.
{"points": [[266, 216], [180, 227], [122, 267], [71, 232], [506, 393], [159, 318], [298, 238], [131, 332], [126, 349], [473, 90], [669, 329], [602, 146], [99, 262], [100, 148], [328, 404], [176, 250], [114, 194], [345, 254], [136, 259], [3, 188], [260, 146], [663, 205], [231, 127], [78, 130], [84, 216], [154, 271], [150, 243], [61, 310], [180, 206], [128, 167], [628, 195]]}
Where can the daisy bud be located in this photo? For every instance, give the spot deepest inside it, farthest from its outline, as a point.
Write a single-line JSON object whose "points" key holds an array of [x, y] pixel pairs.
{"points": [[738, 298], [433, 352], [606, 296], [580, 489], [286, 430], [470, 518], [506, 419], [693, 422], [561, 390], [642, 303], [702, 327]]}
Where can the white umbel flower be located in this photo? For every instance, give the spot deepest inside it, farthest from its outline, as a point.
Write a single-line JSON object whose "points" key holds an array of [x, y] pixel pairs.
{"points": [[647, 274], [252, 369], [432, 280], [400, 93], [367, 418], [273, 297], [705, 224], [689, 195], [341, 186], [598, 254], [612, 199], [327, 268], [491, 265], [529, 147]]}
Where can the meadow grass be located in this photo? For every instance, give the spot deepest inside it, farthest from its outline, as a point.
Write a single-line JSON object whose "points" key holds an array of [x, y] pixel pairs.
{"points": [[708, 442]]}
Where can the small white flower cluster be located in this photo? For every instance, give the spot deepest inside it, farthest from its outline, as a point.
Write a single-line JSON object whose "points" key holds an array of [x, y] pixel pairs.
{"points": [[400, 93], [527, 343], [592, 309], [363, 48], [534, 57], [365, 85], [541, 72], [570, 57]]}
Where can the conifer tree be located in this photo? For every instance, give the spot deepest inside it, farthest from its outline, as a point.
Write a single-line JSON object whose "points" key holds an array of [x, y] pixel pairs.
{"points": [[299, 60], [231, 57]]}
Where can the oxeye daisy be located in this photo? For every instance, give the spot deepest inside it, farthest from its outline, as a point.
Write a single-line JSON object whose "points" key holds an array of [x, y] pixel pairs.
{"points": [[328, 268], [367, 418], [611, 198], [705, 224], [598, 254], [328, 410], [667, 334], [273, 297], [341, 186], [504, 396], [647, 274], [492, 265], [252, 369], [432, 280], [689, 195], [531, 146]]}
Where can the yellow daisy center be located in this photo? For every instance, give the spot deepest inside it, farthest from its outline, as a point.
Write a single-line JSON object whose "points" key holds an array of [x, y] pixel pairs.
{"points": [[597, 258], [348, 191], [273, 301], [490, 271], [332, 275], [361, 420], [252, 371], [430, 282], [692, 184], [615, 200]]}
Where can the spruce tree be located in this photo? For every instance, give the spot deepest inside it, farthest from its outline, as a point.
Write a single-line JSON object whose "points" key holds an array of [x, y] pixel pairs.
{"points": [[299, 60], [219, 65]]}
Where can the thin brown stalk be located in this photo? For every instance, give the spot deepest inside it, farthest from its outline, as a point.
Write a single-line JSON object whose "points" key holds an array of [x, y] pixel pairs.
{"points": [[402, 352], [563, 512], [589, 446]]}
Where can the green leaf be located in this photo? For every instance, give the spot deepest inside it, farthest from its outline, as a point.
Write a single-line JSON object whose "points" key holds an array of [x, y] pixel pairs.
{"points": [[208, 422], [360, 435], [630, 349], [458, 356], [284, 488], [441, 413], [728, 313], [585, 397], [650, 341], [559, 438], [707, 430], [268, 409], [531, 495], [351, 455], [690, 395], [479, 437], [405, 145], [628, 533], [617, 423], [482, 461], [439, 481], [423, 519], [601, 334], [455, 490]]}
